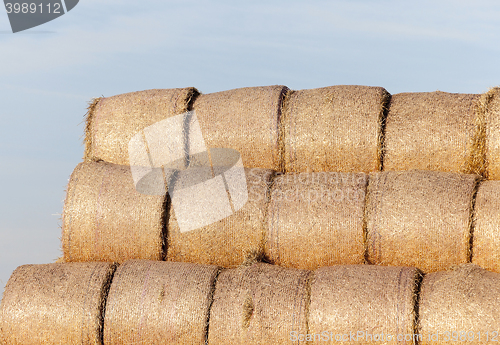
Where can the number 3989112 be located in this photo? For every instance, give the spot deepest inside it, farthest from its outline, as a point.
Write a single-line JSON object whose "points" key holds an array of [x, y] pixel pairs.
{"points": [[17, 7]]}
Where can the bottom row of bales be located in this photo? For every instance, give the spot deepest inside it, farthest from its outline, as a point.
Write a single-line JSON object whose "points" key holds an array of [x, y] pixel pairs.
{"points": [[152, 302]]}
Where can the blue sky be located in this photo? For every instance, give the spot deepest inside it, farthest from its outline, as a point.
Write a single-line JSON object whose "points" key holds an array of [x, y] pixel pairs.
{"points": [[49, 73]]}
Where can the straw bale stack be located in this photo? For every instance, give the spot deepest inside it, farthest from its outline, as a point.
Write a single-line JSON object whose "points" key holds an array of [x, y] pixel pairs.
{"points": [[419, 218], [373, 304], [431, 131], [106, 219], [460, 306], [259, 304], [60, 303], [113, 121], [336, 128], [152, 302], [319, 213], [247, 120]]}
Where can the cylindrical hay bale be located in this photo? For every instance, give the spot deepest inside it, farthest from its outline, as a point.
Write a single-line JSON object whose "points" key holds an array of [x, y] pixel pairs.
{"points": [[152, 302], [259, 304], [491, 112], [363, 304], [335, 128], [419, 218], [113, 121], [486, 237], [245, 119], [106, 219], [319, 213], [227, 242], [60, 303], [431, 131], [460, 306]]}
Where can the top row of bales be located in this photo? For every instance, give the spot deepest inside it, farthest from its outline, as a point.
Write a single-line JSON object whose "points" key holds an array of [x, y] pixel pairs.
{"points": [[337, 128]]}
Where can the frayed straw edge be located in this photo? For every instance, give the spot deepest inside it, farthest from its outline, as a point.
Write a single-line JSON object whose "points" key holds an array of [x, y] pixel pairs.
{"points": [[88, 155], [477, 163], [282, 127]]}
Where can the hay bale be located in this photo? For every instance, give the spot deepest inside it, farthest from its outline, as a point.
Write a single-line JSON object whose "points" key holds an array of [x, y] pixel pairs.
{"points": [[153, 302], [106, 219], [229, 241], [245, 119], [491, 112], [431, 131], [419, 218], [369, 304], [259, 304], [59, 303], [463, 302], [319, 213], [112, 121], [486, 239], [337, 128]]}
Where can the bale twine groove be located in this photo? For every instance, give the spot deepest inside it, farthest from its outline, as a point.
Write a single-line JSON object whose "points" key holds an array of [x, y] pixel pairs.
{"points": [[59, 303], [419, 218], [336, 128], [460, 305], [106, 219], [152, 302], [431, 131], [316, 219], [112, 121], [259, 304], [374, 300]]}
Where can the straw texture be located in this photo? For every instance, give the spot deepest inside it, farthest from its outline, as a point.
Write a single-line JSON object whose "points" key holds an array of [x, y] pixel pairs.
{"points": [[335, 128], [113, 121], [60, 303], [373, 300], [259, 304], [246, 120], [430, 131], [463, 302], [229, 241], [106, 219], [486, 239], [319, 213], [491, 100], [152, 302], [419, 218]]}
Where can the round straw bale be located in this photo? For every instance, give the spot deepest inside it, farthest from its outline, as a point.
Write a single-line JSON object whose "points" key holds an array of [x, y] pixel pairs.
{"points": [[486, 239], [113, 121], [363, 304], [245, 119], [59, 303], [430, 131], [259, 304], [491, 108], [106, 219], [318, 213], [153, 302], [229, 241], [335, 128], [460, 306], [419, 218]]}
